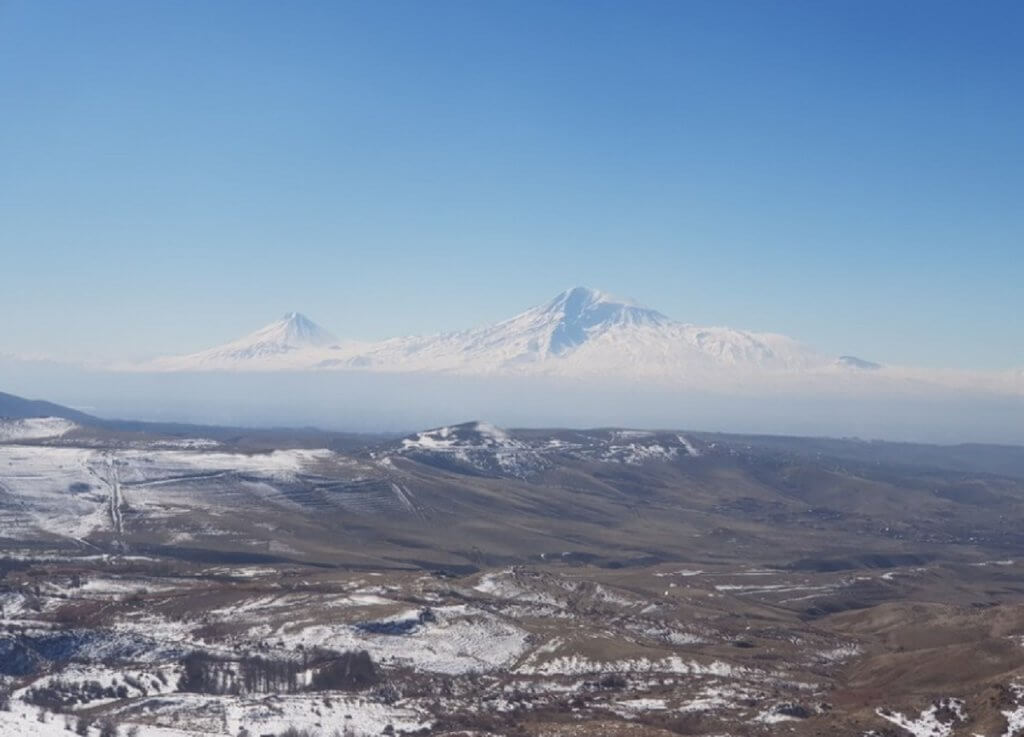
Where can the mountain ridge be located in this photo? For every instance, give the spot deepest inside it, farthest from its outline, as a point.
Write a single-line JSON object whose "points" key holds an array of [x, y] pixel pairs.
{"points": [[15, 407], [580, 332]]}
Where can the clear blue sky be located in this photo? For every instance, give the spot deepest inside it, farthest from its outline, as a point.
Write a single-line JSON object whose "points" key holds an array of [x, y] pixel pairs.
{"points": [[174, 174]]}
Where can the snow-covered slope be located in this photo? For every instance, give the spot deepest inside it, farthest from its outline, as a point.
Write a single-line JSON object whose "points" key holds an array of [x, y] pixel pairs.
{"points": [[277, 345], [472, 446], [34, 428], [485, 449], [581, 332]]}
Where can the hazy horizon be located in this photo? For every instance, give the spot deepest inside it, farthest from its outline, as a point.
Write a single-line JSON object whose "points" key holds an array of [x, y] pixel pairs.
{"points": [[366, 402], [843, 175]]}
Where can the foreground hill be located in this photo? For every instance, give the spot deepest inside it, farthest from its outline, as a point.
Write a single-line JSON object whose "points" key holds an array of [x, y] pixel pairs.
{"points": [[470, 579], [454, 496], [12, 407]]}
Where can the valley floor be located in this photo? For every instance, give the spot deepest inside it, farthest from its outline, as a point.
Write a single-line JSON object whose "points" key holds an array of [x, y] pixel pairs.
{"points": [[549, 650], [469, 580]]}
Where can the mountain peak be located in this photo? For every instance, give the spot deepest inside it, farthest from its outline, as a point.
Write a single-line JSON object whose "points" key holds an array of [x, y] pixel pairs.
{"points": [[295, 330], [581, 311], [581, 295], [292, 333]]}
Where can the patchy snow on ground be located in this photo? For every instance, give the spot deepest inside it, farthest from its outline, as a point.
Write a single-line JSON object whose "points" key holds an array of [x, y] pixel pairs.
{"points": [[505, 585], [690, 448], [453, 639], [479, 445], [135, 681], [105, 587], [476, 435], [267, 606], [715, 697], [34, 428], [488, 448], [23, 720], [575, 665], [774, 588], [685, 573], [838, 654], [73, 492], [770, 716], [636, 454], [670, 635], [628, 708], [985, 563], [322, 713], [189, 443], [938, 720], [1015, 717]]}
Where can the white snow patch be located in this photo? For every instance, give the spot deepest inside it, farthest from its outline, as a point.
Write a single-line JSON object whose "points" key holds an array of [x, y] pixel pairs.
{"points": [[928, 722], [34, 428]]}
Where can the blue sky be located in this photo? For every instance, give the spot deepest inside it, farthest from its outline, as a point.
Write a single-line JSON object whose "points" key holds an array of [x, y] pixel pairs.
{"points": [[174, 174]]}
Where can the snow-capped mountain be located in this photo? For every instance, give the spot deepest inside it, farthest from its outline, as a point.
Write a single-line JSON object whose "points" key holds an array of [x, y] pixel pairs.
{"points": [[581, 332], [585, 332], [294, 335]]}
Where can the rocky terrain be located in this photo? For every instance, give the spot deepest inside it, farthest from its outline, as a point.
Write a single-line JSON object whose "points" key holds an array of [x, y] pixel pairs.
{"points": [[471, 579]]}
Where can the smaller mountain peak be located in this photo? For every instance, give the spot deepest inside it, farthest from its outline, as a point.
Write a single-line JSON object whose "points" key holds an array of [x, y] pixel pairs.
{"points": [[296, 329]]}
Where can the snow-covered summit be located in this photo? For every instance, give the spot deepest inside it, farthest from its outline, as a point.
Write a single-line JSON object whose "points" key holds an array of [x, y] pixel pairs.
{"points": [[293, 333], [577, 314], [298, 330]]}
